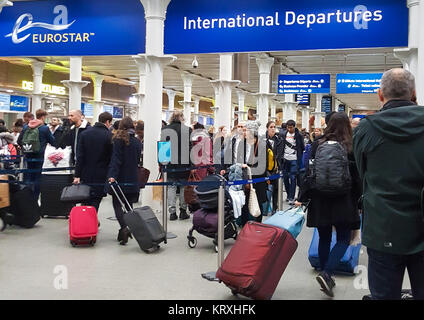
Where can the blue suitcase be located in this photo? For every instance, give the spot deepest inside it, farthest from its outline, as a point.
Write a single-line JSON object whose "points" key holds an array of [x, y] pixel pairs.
{"points": [[348, 262]]}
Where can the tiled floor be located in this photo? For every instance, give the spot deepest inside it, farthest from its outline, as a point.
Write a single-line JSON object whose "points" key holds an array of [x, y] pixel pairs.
{"points": [[32, 265]]}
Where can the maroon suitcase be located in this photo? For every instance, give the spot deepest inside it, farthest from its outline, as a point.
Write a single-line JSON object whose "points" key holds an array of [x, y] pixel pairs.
{"points": [[257, 261]]}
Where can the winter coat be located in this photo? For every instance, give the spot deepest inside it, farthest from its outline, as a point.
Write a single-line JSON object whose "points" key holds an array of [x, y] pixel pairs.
{"points": [[325, 211], [179, 135], [300, 147], [93, 157], [389, 150], [58, 137], [202, 153], [44, 134], [124, 165], [69, 140]]}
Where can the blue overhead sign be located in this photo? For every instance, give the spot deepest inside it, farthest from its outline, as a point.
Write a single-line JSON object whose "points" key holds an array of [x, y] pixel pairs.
{"points": [[358, 83], [327, 104], [304, 83], [4, 102], [118, 113], [303, 99], [276, 25], [87, 110], [72, 27], [19, 104]]}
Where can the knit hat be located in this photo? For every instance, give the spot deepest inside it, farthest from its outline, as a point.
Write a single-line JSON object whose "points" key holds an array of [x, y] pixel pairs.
{"points": [[253, 126]]}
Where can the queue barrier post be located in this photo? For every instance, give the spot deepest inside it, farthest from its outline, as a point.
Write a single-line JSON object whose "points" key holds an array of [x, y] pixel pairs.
{"points": [[280, 192]]}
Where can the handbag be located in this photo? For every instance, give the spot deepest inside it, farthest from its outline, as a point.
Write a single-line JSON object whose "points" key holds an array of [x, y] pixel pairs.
{"points": [[4, 192], [76, 193], [158, 190], [254, 209], [190, 196], [291, 220], [143, 176]]}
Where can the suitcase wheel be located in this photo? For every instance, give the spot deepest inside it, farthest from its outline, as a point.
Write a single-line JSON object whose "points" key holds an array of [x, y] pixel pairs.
{"points": [[216, 248], [3, 225], [73, 244], [192, 242], [234, 292]]}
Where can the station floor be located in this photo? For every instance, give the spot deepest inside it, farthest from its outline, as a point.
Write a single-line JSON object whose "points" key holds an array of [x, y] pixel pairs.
{"points": [[108, 271]]}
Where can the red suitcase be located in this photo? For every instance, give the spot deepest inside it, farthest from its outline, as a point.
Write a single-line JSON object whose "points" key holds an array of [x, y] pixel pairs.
{"points": [[83, 226], [257, 261]]}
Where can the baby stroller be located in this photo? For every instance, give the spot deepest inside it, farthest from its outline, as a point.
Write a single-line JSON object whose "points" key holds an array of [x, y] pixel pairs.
{"points": [[205, 220]]}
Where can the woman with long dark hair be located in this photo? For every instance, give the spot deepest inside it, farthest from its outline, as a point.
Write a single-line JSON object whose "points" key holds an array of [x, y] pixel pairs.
{"points": [[326, 211], [123, 170]]}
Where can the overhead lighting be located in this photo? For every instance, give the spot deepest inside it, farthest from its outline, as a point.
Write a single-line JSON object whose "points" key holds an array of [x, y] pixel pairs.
{"points": [[10, 91]]}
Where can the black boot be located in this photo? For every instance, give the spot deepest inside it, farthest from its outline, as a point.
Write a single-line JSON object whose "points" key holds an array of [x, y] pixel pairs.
{"points": [[184, 215], [123, 236]]}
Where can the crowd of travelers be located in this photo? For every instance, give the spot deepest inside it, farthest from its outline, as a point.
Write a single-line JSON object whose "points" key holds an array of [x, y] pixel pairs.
{"points": [[381, 176]]}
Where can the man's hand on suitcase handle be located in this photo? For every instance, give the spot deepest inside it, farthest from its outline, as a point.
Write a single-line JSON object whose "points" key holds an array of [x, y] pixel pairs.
{"points": [[77, 181], [112, 180]]}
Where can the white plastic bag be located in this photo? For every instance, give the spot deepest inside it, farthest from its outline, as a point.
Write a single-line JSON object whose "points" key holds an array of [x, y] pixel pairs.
{"points": [[56, 159]]}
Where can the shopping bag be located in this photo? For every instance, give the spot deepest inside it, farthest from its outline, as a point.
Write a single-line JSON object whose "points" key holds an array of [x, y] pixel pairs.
{"points": [[158, 190], [291, 220], [4, 192], [56, 159], [190, 196]]}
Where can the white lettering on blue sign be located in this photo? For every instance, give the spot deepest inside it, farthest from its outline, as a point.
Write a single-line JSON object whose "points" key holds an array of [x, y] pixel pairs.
{"points": [[57, 26], [360, 16]]}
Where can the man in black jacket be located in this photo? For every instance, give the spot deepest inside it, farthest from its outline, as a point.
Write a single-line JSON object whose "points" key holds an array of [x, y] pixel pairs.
{"points": [[290, 153], [93, 158], [179, 135]]}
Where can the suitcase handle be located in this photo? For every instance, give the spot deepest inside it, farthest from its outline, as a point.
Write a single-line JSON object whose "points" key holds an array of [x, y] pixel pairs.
{"points": [[124, 208]]}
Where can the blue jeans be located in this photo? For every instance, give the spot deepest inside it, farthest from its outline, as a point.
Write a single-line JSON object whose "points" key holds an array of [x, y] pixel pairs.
{"points": [[386, 273], [329, 261], [290, 173]]}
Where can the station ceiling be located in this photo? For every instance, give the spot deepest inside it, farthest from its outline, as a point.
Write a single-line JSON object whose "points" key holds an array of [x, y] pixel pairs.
{"points": [[122, 69]]}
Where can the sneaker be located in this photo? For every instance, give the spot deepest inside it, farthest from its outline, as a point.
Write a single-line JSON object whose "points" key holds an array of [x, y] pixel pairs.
{"points": [[184, 215], [326, 284], [173, 217]]}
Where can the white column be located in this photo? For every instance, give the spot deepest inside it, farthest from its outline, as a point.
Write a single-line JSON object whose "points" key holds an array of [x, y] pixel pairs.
{"points": [[37, 95], [171, 100], [97, 99], [318, 114], [155, 13], [265, 64], [74, 83], [242, 113], [410, 56], [420, 78], [216, 87], [305, 118], [289, 108], [273, 110], [141, 63], [223, 91], [196, 109], [5, 3], [187, 103]]}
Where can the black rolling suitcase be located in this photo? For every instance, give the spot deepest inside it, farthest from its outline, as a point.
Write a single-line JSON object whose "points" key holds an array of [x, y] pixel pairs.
{"points": [[51, 191], [24, 208], [142, 223]]}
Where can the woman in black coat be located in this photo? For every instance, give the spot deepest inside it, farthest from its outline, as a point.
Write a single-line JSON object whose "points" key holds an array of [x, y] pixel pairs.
{"points": [[123, 170], [339, 211]]}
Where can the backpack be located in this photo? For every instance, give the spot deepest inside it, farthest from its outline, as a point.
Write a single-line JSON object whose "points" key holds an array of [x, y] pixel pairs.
{"points": [[330, 174], [31, 141]]}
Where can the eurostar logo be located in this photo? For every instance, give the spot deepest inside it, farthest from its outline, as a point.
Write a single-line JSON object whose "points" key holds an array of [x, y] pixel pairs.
{"points": [[60, 23]]}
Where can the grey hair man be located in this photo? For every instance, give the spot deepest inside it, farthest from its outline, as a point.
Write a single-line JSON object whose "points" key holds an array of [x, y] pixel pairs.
{"points": [[389, 155]]}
